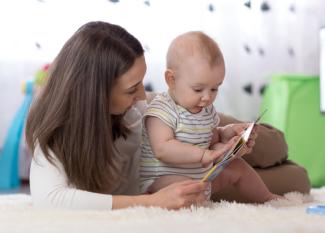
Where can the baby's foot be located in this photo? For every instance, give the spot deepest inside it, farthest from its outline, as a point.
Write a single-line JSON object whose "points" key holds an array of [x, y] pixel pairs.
{"points": [[275, 197]]}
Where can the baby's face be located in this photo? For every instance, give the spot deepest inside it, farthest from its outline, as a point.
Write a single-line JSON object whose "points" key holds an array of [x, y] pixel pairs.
{"points": [[196, 84]]}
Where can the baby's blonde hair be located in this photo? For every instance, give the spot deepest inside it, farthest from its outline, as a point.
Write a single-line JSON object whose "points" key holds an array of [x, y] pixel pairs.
{"points": [[191, 44]]}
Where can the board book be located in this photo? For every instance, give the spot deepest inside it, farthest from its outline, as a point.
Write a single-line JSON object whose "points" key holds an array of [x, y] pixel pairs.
{"points": [[231, 154]]}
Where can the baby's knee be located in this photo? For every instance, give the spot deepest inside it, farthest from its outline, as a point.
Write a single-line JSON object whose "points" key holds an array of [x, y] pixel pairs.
{"points": [[238, 165], [237, 169], [230, 175]]}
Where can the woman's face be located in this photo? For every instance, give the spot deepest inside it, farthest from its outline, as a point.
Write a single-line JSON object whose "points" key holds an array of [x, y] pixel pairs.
{"points": [[129, 88]]}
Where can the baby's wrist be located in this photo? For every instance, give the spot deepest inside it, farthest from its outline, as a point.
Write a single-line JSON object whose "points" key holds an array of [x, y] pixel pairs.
{"points": [[223, 132], [202, 160]]}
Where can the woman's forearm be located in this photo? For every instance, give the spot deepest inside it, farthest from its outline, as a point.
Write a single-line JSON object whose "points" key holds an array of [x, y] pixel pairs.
{"points": [[121, 201], [49, 188]]}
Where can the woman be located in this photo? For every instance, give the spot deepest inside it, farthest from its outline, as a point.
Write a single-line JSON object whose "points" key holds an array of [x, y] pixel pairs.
{"points": [[83, 128]]}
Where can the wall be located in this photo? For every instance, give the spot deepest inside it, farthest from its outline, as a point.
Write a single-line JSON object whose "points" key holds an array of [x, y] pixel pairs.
{"points": [[258, 38]]}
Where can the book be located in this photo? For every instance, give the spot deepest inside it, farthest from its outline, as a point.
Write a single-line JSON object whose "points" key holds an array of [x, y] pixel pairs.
{"points": [[231, 154]]}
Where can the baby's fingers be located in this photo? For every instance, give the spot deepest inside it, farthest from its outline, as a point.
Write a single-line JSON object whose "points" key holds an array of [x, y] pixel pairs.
{"points": [[250, 143], [230, 144], [233, 141], [239, 128]]}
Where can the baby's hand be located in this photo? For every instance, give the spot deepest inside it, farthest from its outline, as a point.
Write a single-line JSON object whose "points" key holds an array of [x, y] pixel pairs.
{"points": [[218, 150], [231, 130], [248, 147]]}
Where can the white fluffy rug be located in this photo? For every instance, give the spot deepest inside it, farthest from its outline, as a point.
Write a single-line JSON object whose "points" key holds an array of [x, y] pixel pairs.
{"points": [[18, 215]]}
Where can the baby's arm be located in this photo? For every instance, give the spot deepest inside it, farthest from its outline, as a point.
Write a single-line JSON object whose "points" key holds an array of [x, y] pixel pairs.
{"points": [[169, 150], [219, 138], [216, 138]]}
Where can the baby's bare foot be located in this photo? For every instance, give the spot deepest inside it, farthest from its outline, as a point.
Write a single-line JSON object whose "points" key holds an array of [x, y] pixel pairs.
{"points": [[275, 197]]}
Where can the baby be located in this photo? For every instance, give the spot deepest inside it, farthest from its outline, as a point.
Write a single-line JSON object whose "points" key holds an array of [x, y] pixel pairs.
{"points": [[181, 137]]}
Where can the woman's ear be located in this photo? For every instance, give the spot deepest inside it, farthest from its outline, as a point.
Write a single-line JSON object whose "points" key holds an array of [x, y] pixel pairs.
{"points": [[170, 78]]}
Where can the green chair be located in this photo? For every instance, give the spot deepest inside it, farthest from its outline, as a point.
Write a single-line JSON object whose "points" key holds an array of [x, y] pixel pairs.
{"points": [[293, 104]]}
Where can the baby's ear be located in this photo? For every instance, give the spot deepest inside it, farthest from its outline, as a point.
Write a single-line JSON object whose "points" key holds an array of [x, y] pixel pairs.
{"points": [[170, 78]]}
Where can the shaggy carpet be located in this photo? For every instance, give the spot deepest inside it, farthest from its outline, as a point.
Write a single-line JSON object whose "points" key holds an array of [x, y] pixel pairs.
{"points": [[17, 214]]}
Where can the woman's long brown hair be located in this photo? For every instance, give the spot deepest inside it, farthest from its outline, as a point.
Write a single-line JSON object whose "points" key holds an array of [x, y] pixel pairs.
{"points": [[71, 116]]}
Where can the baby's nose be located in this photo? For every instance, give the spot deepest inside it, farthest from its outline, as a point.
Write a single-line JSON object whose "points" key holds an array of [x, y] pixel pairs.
{"points": [[206, 97]]}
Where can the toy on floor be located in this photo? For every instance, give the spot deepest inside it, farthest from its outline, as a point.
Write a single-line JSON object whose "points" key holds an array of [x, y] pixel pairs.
{"points": [[316, 209], [9, 157]]}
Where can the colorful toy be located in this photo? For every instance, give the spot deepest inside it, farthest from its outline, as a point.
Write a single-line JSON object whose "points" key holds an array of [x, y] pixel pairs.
{"points": [[9, 177], [316, 209], [9, 157], [41, 75]]}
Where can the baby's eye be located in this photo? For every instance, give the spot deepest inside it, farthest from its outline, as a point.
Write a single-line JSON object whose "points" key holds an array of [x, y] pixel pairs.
{"points": [[197, 90], [214, 89]]}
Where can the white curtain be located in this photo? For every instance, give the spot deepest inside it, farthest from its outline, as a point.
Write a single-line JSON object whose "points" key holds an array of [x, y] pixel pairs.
{"points": [[258, 39]]}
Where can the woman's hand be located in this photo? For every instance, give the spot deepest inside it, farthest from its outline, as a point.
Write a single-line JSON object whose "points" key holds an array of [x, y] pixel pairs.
{"points": [[180, 194]]}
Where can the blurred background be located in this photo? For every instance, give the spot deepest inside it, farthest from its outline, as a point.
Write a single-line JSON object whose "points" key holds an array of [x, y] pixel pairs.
{"points": [[260, 40]]}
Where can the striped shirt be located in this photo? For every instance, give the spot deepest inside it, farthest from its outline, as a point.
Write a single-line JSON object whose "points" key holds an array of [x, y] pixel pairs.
{"points": [[195, 129]]}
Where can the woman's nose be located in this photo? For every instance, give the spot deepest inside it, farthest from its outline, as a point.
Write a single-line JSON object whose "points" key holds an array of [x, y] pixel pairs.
{"points": [[141, 94]]}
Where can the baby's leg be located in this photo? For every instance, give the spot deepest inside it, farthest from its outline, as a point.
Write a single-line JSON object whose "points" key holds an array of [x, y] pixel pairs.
{"points": [[164, 181], [244, 178]]}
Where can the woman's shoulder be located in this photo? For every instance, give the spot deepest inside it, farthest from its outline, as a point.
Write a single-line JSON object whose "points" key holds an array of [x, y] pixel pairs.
{"points": [[40, 159]]}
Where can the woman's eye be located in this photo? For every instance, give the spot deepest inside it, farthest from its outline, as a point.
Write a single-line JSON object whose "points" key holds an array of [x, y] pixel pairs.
{"points": [[131, 92]]}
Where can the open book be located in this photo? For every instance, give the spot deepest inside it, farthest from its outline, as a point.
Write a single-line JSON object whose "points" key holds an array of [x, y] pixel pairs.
{"points": [[221, 163]]}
